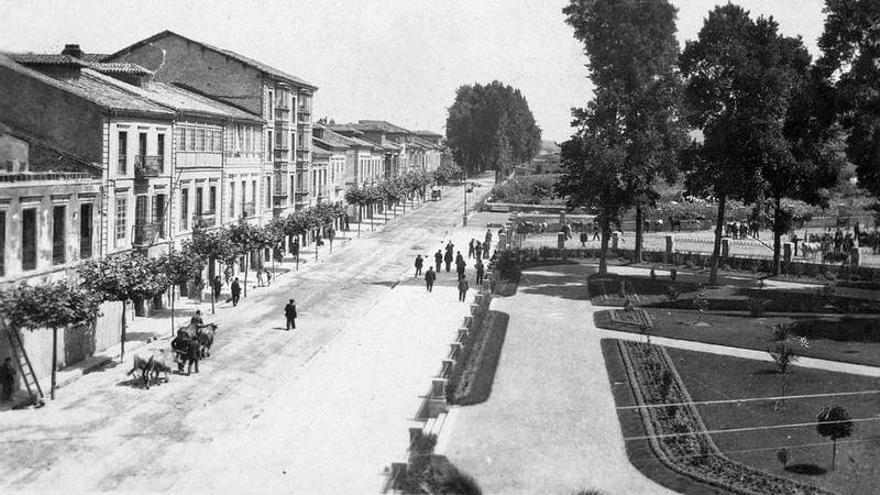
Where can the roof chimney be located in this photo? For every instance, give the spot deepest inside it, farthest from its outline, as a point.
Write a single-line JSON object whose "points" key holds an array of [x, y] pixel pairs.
{"points": [[73, 50]]}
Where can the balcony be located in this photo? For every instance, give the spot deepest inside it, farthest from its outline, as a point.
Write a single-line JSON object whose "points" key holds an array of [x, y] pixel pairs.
{"points": [[206, 220], [282, 114], [145, 234], [303, 115], [44, 176], [148, 166]]}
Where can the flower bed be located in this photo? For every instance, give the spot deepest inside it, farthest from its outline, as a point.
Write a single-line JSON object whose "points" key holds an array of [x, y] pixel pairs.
{"points": [[636, 317], [472, 345], [677, 434]]}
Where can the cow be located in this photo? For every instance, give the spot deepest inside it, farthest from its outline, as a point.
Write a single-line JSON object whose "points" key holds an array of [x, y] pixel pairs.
{"points": [[811, 249], [150, 367], [206, 339]]}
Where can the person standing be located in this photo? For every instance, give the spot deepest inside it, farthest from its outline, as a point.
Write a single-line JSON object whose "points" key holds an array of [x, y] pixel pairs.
{"points": [[596, 231], [438, 259], [794, 240], [459, 268], [259, 277], [236, 291], [419, 262], [462, 289], [471, 249], [448, 259], [197, 319], [290, 314], [583, 239], [488, 237], [486, 247], [7, 379], [430, 277], [217, 285], [268, 276], [480, 270]]}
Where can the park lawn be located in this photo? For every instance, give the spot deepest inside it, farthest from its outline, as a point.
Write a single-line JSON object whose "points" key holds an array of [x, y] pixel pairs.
{"points": [[731, 294], [836, 338], [710, 377]]}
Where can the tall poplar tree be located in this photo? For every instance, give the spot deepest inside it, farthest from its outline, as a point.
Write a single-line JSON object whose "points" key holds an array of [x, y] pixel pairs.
{"points": [[633, 54]]}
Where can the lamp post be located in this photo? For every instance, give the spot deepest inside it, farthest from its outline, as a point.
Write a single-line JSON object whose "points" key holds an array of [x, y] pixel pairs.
{"points": [[464, 211]]}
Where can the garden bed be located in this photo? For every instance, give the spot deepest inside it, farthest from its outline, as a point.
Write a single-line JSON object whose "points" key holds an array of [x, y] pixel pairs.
{"points": [[677, 435], [479, 375]]}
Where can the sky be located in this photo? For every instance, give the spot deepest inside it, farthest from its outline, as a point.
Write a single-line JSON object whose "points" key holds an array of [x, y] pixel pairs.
{"points": [[394, 60]]}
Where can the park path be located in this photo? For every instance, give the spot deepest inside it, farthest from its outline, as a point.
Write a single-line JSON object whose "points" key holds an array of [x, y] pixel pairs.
{"points": [[550, 424]]}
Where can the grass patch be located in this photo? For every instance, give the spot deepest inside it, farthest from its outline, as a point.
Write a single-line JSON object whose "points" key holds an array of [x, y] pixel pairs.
{"points": [[847, 339], [486, 363], [710, 377]]}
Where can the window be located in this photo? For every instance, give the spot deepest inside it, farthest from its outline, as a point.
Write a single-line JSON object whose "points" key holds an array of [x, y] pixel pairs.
{"points": [[269, 143], [160, 150], [212, 199], [191, 140], [200, 143], [218, 140], [254, 194], [271, 105], [239, 131], [268, 192], [248, 138], [142, 144], [123, 152], [159, 205], [2, 243], [121, 206], [209, 135], [59, 226], [243, 198], [29, 239], [200, 196], [184, 209], [232, 200]]}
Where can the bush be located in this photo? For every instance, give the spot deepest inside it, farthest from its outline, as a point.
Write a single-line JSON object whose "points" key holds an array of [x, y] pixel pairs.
{"points": [[531, 189], [757, 306]]}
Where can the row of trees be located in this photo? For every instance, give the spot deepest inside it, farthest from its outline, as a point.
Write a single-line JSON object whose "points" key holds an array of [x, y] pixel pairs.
{"points": [[490, 127], [391, 191], [134, 277], [772, 122]]}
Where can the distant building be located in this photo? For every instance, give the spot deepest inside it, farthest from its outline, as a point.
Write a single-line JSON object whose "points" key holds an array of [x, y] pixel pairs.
{"points": [[283, 100]]}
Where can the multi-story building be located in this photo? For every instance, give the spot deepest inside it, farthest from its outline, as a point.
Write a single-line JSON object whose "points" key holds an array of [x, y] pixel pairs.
{"points": [[367, 158], [283, 100], [74, 108], [341, 160], [49, 204], [404, 150]]}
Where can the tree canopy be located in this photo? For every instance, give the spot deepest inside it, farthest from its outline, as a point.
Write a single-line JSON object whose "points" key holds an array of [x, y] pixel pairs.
{"points": [[490, 127]]}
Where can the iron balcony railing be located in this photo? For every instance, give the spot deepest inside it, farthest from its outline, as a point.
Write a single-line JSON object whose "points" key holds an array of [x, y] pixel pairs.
{"points": [[145, 234], [148, 166], [42, 176], [206, 220]]}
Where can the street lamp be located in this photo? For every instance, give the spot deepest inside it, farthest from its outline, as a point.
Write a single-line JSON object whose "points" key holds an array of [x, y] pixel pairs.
{"points": [[464, 210]]}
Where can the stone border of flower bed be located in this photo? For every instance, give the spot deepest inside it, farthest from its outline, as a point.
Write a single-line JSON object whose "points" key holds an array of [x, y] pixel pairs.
{"points": [[677, 435]]}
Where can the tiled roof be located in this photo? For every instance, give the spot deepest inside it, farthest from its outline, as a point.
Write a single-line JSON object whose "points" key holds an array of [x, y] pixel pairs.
{"points": [[428, 133], [45, 59], [319, 153], [423, 143], [381, 125], [119, 68], [94, 87], [241, 58], [93, 57]]}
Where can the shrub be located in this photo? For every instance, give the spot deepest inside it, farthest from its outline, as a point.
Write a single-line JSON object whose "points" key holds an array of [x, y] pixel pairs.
{"points": [[757, 306]]}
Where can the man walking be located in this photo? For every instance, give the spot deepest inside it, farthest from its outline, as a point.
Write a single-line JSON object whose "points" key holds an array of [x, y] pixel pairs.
{"points": [[488, 237], [438, 259], [236, 291], [217, 284], [419, 262], [430, 277], [448, 259], [480, 270], [462, 289], [7, 379], [459, 268], [471, 249], [290, 314]]}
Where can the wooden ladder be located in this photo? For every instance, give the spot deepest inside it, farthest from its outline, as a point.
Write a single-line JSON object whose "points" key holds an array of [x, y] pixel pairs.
{"points": [[24, 365]]}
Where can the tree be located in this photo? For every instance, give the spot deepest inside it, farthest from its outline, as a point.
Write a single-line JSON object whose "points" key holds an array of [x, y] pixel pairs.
{"points": [[54, 306], [129, 276], [850, 46], [834, 423], [245, 238], [591, 169], [491, 127], [180, 268], [784, 357], [738, 84], [355, 196], [632, 53], [208, 247]]}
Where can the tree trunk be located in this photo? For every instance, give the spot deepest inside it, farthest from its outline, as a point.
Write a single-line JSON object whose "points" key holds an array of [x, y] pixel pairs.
{"points": [[716, 250], [317, 239], [639, 233], [172, 310], [54, 360], [122, 336], [372, 216], [360, 219], [603, 253], [777, 237], [247, 262], [833, 452], [386, 211], [212, 261]]}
